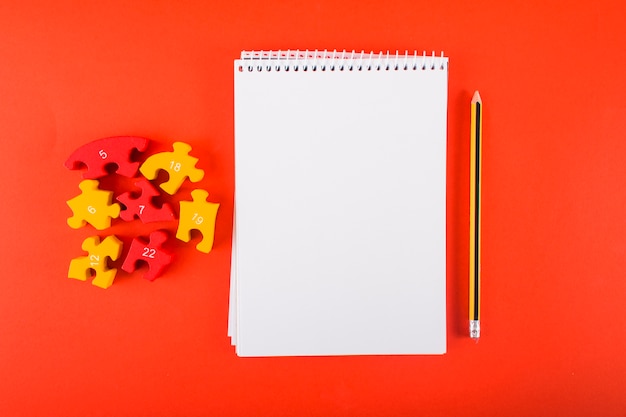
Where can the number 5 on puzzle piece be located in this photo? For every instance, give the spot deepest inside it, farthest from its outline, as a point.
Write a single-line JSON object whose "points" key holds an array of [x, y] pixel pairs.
{"points": [[151, 252], [179, 165], [81, 267], [198, 215], [92, 206], [98, 154]]}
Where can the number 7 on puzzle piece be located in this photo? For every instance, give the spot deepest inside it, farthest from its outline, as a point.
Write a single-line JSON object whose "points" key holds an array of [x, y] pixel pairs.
{"points": [[81, 267], [178, 164], [143, 206]]}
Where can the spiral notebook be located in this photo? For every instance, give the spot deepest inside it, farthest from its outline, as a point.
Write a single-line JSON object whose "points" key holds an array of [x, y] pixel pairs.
{"points": [[339, 244]]}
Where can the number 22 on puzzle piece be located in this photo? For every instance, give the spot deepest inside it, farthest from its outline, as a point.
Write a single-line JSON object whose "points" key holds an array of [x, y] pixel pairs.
{"points": [[151, 252]]}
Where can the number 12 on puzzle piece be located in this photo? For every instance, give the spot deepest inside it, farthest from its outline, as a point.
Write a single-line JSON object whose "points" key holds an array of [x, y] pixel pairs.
{"points": [[96, 261]]}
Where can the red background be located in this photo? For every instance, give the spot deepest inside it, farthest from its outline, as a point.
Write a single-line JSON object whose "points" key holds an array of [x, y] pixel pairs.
{"points": [[551, 75]]}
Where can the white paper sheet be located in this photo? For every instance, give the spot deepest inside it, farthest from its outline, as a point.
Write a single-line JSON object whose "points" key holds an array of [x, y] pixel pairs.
{"points": [[340, 239]]}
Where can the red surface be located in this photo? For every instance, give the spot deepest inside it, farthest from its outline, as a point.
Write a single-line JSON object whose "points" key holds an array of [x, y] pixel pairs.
{"points": [[554, 238]]}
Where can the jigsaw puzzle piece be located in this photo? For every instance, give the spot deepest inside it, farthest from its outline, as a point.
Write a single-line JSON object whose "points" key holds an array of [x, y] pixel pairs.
{"points": [[178, 164], [81, 267], [92, 206], [198, 215], [151, 252], [143, 206], [98, 154]]}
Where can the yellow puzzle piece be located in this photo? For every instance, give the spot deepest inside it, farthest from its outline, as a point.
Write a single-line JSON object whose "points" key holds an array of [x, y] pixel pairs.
{"points": [[198, 215], [179, 165], [92, 206], [80, 268]]}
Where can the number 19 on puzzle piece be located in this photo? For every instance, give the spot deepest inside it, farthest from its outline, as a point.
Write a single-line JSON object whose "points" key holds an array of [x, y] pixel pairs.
{"points": [[200, 215]]}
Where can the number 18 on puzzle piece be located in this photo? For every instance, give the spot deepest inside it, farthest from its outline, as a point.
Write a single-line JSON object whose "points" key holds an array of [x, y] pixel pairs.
{"points": [[178, 164]]}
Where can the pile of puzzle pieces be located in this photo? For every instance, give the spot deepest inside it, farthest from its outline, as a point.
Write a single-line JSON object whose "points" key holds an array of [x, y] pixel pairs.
{"points": [[96, 207]]}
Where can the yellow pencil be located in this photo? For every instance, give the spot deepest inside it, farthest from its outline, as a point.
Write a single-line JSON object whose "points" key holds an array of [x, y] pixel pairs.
{"points": [[476, 139]]}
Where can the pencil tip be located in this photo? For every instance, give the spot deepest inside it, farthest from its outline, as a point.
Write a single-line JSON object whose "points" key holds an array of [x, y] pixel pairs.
{"points": [[476, 98]]}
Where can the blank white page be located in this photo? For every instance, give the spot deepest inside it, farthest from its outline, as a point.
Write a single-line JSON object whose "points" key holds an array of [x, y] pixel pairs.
{"points": [[340, 196]]}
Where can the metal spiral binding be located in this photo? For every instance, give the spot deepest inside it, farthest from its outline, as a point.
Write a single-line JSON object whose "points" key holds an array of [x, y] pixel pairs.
{"points": [[305, 61]]}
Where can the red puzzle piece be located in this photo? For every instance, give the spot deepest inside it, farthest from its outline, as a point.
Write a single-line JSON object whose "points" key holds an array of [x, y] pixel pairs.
{"points": [[98, 154], [152, 253], [143, 206]]}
